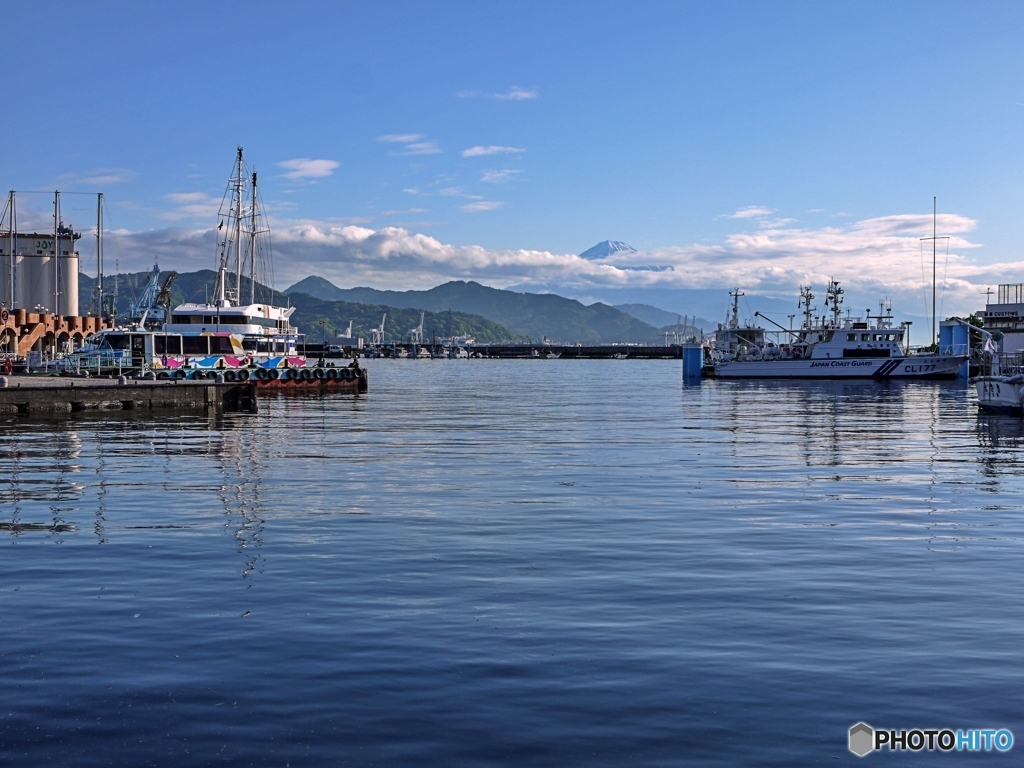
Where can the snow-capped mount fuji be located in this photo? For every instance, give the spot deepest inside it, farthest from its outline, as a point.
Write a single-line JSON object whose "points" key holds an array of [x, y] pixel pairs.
{"points": [[605, 249]]}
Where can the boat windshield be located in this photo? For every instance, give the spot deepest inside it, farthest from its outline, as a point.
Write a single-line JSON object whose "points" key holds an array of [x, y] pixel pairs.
{"points": [[108, 341]]}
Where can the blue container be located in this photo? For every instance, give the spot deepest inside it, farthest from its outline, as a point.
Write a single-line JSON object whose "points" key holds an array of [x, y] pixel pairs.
{"points": [[693, 363], [955, 339]]}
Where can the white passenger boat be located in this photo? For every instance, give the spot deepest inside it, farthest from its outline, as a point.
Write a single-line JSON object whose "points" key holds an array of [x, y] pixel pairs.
{"points": [[827, 347], [221, 334]]}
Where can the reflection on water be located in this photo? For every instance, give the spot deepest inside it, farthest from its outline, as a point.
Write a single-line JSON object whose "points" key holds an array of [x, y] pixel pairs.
{"points": [[550, 562]]}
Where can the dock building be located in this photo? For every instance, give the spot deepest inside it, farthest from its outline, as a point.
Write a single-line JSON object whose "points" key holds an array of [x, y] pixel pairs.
{"points": [[1006, 316]]}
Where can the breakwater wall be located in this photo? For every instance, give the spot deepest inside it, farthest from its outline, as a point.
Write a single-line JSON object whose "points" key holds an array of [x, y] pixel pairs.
{"points": [[516, 351]]}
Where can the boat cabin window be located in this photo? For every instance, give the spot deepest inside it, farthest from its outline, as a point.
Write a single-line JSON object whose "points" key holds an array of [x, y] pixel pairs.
{"points": [[249, 345], [865, 337], [167, 345], [221, 345], [195, 345], [851, 337], [116, 340]]}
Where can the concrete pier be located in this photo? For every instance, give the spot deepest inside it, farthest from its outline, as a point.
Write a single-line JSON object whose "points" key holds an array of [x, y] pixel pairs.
{"points": [[29, 395]]}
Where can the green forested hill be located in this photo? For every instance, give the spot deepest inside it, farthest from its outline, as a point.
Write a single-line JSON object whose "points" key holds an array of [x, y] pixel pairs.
{"points": [[528, 314]]}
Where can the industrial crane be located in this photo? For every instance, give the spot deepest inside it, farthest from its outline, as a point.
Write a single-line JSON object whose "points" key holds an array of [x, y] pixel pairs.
{"points": [[377, 334], [417, 332]]}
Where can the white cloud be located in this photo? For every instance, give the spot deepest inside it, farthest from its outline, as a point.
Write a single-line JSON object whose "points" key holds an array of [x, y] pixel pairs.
{"points": [[515, 93], [400, 138], [457, 192], [751, 212], [420, 148], [305, 168], [414, 144], [872, 258], [492, 150], [98, 177], [483, 205], [191, 205], [499, 177]]}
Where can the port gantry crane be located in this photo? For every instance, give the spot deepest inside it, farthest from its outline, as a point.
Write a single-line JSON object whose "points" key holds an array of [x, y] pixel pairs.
{"points": [[377, 334], [417, 332]]}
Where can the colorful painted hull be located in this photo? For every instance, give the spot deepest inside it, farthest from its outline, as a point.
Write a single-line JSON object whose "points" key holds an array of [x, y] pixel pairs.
{"points": [[916, 367], [171, 362]]}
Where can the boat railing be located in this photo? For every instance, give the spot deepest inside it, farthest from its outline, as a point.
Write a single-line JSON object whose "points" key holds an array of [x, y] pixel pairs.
{"points": [[1010, 365], [955, 349]]}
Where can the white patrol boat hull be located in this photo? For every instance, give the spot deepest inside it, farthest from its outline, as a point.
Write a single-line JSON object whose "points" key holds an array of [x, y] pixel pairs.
{"points": [[915, 367], [1000, 393]]}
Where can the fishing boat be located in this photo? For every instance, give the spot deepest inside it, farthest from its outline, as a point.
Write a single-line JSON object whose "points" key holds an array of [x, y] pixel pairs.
{"points": [[1002, 387], [829, 346]]}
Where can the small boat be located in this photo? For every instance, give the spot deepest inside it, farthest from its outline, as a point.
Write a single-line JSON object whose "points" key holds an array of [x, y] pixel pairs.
{"points": [[619, 356], [423, 354], [1002, 389]]}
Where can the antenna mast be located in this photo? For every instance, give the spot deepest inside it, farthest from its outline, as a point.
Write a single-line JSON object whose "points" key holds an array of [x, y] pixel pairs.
{"points": [[935, 209]]}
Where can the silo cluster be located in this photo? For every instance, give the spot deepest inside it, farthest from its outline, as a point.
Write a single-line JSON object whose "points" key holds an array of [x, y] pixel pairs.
{"points": [[39, 284]]}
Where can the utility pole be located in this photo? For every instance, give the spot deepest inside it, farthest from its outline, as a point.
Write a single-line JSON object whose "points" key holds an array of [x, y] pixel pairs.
{"points": [[56, 252], [12, 249], [99, 255]]}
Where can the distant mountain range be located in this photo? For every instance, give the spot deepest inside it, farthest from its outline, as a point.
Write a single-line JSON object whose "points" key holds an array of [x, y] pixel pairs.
{"points": [[490, 315], [659, 318], [530, 315]]}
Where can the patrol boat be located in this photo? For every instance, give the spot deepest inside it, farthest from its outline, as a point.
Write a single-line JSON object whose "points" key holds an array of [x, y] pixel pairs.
{"points": [[827, 347]]}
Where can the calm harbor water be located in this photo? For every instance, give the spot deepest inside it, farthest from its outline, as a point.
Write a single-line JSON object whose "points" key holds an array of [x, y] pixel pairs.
{"points": [[514, 562]]}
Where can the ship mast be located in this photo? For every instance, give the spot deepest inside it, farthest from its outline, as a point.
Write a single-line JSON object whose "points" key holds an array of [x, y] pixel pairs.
{"points": [[735, 296], [252, 244], [805, 302], [238, 229]]}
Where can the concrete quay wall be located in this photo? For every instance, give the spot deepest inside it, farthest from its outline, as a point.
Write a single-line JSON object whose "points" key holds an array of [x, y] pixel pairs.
{"points": [[29, 395]]}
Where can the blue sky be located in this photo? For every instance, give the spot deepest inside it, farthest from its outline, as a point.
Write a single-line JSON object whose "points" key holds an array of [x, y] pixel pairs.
{"points": [[753, 143]]}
